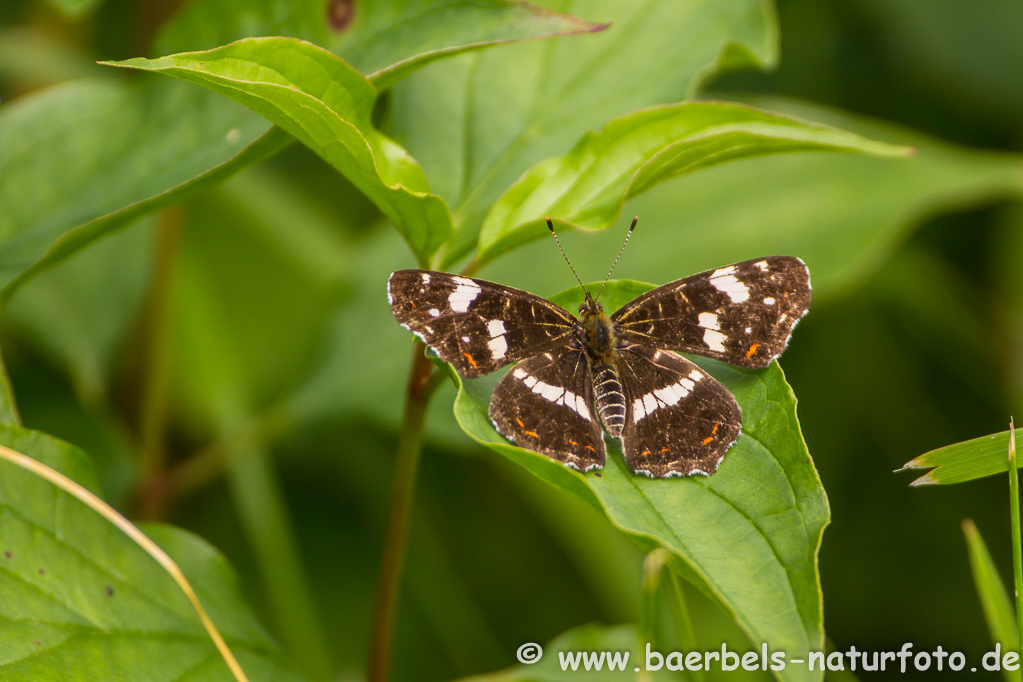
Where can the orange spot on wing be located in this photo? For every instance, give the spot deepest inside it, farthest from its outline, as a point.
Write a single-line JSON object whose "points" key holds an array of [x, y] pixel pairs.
{"points": [[473, 362], [519, 422], [646, 452], [713, 432], [572, 442], [531, 433], [752, 350], [589, 447], [665, 450]]}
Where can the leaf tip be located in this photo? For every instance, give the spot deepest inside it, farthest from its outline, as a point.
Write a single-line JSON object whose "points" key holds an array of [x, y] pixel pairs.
{"points": [[926, 479], [969, 528]]}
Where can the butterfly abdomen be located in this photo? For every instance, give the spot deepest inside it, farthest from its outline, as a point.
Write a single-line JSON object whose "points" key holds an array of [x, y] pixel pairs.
{"points": [[609, 398]]}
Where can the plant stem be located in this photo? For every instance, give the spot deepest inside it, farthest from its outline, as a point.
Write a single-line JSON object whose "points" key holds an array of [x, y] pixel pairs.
{"points": [[153, 411], [1017, 551], [423, 380]]}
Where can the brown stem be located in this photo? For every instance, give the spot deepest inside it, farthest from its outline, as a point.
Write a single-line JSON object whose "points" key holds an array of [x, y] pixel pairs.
{"points": [[423, 380]]}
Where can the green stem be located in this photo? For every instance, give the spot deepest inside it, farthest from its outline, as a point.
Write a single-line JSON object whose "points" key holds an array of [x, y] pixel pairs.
{"points": [[268, 529], [423, 380], [1017, 551], [156, 386]]}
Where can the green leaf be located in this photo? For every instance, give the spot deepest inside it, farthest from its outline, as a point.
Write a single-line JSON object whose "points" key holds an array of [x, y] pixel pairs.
{"points": [[83, 159], [327, 105], [588, 638], [478, 122], [966, 461], [84, 602], [79, 312], [588, 186], [998, 609], [844, 214], [748, 535]]}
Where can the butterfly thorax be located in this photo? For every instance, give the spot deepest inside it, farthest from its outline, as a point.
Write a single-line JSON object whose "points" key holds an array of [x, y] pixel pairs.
{"points": [[597, 335]]}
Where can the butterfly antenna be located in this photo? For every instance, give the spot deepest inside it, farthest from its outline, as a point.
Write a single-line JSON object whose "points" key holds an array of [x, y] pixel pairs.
{"points": [[620, 252], [550, 226]]}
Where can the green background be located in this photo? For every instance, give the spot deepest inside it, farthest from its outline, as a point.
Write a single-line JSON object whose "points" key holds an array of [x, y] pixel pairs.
{"points": [[913, 342]]}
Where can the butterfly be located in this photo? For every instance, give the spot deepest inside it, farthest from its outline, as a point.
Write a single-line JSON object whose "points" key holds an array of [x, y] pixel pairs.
{"points": [[575, 378]]}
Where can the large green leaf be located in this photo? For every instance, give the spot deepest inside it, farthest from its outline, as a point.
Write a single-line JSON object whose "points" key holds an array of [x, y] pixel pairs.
{"points": [[83, 159], [844, 214], [748, 535], [478, 122], [327, 105], [83, 602], [588, 186]]}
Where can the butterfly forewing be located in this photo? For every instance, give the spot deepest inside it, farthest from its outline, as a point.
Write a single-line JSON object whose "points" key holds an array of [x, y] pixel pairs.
{"points": [[475, 325], [742, 314], [545, 404], [680, 421]]}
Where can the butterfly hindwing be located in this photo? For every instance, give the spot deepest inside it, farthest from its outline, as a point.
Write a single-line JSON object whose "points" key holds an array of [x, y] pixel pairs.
{"points": [[475, 325], [742, 314], [544, 403], [680, 420]]}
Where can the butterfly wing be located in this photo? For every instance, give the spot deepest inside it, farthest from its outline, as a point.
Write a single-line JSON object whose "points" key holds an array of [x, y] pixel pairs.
{"points": [[742, 314], [475, 325], [680, 421], [545, 404]]}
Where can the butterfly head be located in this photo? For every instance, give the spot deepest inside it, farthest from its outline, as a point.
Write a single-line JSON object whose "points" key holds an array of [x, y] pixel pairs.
{"points": [[590, 307]]}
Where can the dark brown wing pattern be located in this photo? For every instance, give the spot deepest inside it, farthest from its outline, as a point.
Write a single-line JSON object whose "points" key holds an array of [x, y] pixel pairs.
{"points": [[680, 420], [742, 314], [475, 325], [545, 403]]}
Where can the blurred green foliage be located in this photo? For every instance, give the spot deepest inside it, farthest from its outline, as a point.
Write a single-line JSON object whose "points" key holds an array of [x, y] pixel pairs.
{"points": [[283, 370]]}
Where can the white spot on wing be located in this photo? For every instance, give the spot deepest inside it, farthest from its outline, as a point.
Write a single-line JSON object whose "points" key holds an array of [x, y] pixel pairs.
{"points": [[580, 407], [465, 339], [715, 340], [769, 301], [724, 281], [434, 312], [498, 347], [496, 327], [650, 402], [465, 293], [709, 321], [426, 278], [519, 373], [695, 375], [762, 264], [529, 382]]}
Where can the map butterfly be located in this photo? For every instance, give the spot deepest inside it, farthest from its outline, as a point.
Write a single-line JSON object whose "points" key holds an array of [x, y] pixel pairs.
{"points": [[575, 379]]}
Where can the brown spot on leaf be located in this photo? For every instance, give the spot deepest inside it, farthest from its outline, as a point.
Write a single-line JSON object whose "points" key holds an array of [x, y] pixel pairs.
{"points": [[7, 555], [38, 643], [598, 474], [110, 591], [42, 571], [340, 13]]}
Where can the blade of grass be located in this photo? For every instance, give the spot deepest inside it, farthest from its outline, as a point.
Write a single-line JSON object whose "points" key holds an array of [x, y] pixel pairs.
{"points": [[1017, 553], [140, 538], [994, 600], [961, 462]]}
